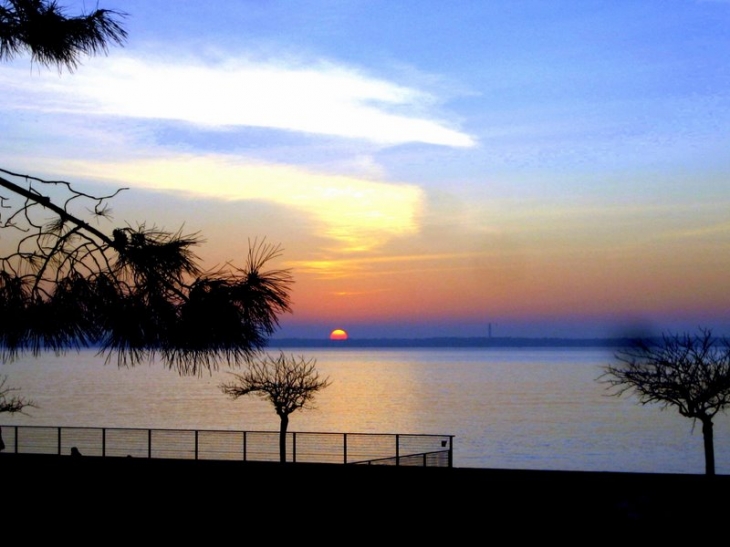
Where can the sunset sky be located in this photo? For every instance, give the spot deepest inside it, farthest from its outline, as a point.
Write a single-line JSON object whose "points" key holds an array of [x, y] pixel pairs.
{"points": [[429, 168]]}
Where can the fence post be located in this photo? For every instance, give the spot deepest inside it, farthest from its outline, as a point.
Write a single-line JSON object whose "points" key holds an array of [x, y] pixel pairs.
{"points": [[149, 443], [196, 444], [244, 447], [294, 447], [345, 446], [59, 441], [103, 442], [397, 449]]}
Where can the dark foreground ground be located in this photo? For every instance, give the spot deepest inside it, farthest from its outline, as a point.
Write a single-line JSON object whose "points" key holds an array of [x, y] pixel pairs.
{"points": [[350, 504]]}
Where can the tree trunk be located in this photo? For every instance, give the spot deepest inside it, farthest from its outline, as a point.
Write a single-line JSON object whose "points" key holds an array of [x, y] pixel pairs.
{"points": [[707, 436], [282, 437]]}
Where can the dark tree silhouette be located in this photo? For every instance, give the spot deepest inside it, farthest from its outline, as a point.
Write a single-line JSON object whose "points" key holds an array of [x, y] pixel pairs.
{"points": [[41, 28], [12, 403], [289, 383], [689, 372], [136, 292], [139, 293]]}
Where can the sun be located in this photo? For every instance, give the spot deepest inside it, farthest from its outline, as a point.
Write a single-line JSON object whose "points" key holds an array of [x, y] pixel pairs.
{"points": [[338, 334]]}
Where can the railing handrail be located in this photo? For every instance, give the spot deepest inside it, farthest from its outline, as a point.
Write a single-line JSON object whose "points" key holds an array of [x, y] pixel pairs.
{"points": [[227, 430], [254, 445]]}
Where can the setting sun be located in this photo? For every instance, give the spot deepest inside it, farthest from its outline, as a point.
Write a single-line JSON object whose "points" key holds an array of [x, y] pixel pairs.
{"points": [[338, 334]]}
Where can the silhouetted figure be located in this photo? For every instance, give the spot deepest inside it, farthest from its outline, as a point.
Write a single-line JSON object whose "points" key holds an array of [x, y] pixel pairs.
{"points": [[75, 452], [2, 443]]}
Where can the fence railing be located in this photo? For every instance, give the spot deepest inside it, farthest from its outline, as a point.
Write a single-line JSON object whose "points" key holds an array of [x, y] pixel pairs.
{"points": [[345, 448]]}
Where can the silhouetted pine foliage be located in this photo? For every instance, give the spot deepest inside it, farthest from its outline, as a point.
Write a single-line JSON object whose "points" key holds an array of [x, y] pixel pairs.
{"points": [[138, 294], [42, 28]]}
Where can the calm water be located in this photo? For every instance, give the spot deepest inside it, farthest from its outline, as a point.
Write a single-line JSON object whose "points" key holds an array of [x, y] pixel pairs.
{"points": [[507, 408]]}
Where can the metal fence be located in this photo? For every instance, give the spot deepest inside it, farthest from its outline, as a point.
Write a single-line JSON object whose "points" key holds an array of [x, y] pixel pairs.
{"points": [[259, 446]]}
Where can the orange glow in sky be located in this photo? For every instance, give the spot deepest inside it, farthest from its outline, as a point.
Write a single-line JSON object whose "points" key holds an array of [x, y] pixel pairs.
{"points": [[414, 194]]}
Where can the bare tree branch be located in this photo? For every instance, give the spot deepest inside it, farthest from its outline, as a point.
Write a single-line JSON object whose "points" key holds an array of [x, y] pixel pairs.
{"points": [[289, 383], [12, 403], [688, 372]]}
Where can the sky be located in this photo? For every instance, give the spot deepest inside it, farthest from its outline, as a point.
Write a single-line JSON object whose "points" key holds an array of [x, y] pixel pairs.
{"points": [[521, 167]]}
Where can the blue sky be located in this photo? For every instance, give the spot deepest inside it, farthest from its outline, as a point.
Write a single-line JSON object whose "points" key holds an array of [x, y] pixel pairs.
{"points": [[552, 168]]}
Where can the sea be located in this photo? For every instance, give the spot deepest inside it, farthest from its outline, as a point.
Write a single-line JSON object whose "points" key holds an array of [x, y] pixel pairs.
{"points": [[506, 408]]}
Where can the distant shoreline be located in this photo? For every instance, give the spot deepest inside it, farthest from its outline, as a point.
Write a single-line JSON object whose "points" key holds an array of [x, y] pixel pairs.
{"points": [[451, 342]]}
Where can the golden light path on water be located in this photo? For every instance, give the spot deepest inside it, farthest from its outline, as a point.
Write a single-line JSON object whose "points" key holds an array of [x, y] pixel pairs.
{"points": [[530, 409]]}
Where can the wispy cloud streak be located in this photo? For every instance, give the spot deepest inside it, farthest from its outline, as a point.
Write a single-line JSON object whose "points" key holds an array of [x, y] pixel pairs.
{"points": [[321, 98], [357, 214]]}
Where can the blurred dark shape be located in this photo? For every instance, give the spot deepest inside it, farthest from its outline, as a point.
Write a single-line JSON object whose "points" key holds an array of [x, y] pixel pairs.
{"points": [[634, 330]]}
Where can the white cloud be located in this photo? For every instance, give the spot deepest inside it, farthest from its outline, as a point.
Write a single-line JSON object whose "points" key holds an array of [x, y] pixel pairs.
{"points": [[357, 213], [320, 99]]}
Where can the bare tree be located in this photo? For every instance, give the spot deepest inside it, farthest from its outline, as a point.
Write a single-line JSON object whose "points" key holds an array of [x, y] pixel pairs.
{"points": [[289, 383], [42, 28], [12, 403], [688, 372], [138, 293]]}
